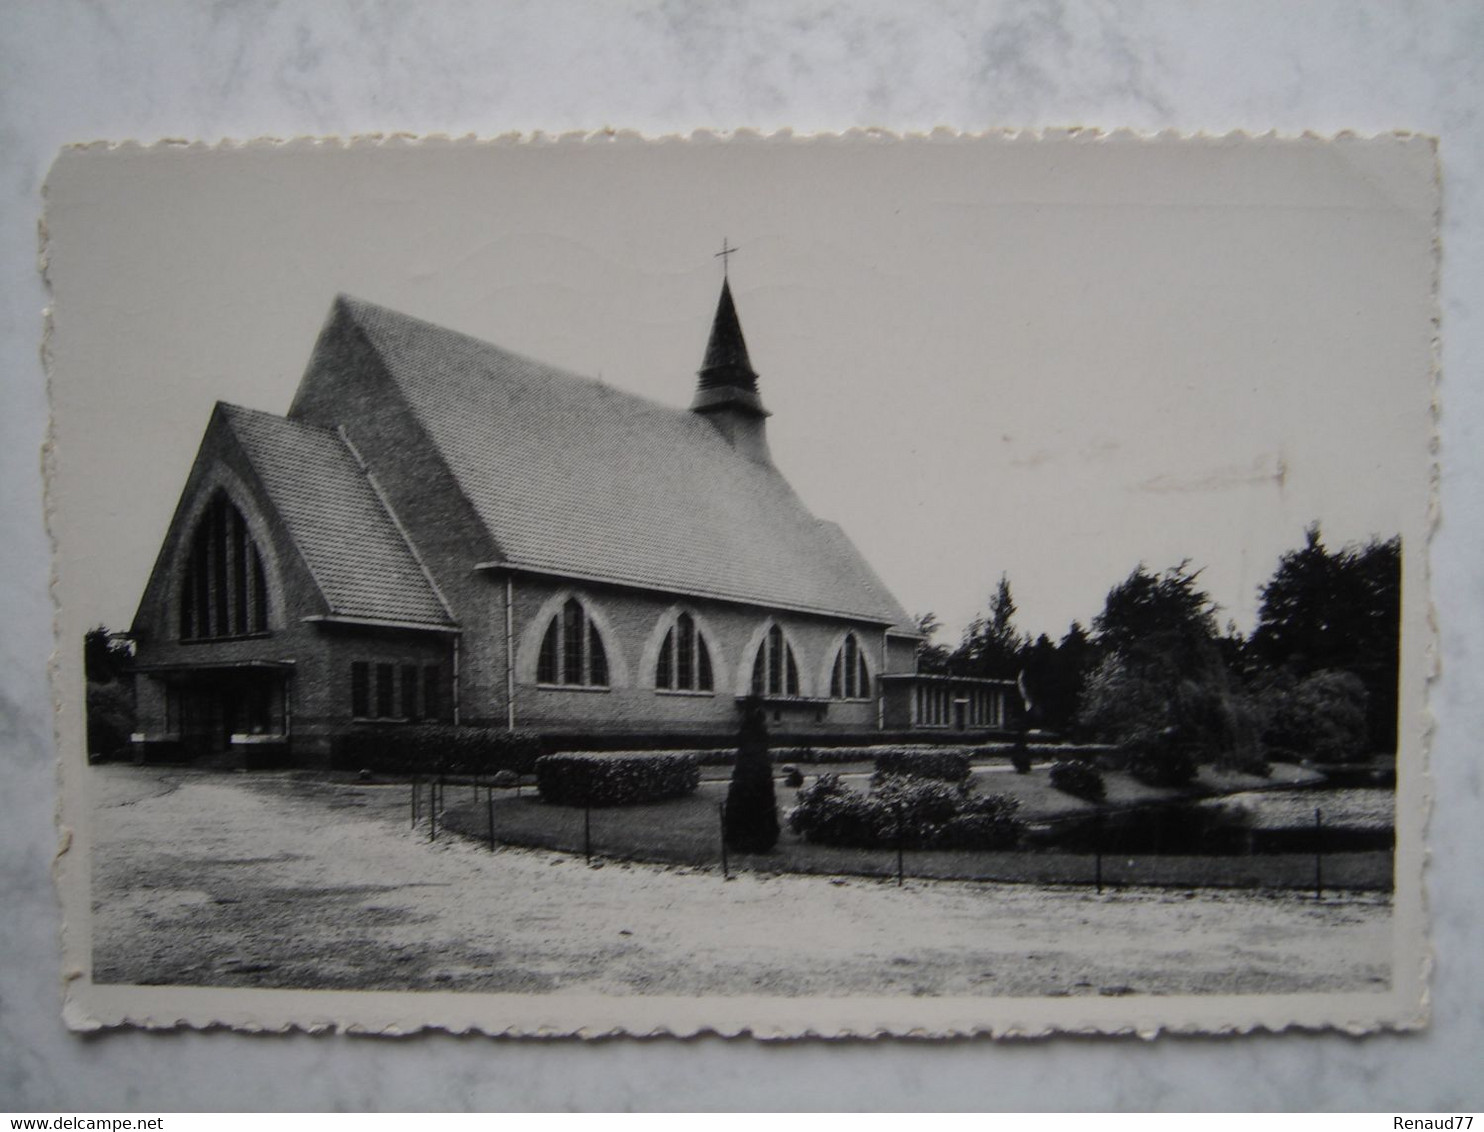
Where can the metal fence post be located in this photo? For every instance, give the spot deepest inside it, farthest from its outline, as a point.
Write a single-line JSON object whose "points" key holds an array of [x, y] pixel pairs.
{"points": [[413, 783], [1318, 855], [899, 847], [721, 818], [587, 831], [1097, 850], [490, 803]]}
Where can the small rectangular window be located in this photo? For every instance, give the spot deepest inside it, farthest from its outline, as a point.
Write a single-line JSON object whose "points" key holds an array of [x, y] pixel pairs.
{"points": [[409, 691], [360, 689], [385, 690], [432, 693]]}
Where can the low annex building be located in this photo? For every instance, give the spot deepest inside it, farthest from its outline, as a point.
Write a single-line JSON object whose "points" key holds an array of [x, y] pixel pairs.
{"points": [[442, 530]]}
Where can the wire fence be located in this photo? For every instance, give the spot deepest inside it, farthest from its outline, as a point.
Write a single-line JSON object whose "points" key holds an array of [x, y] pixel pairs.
{"points": [[495, 816]]}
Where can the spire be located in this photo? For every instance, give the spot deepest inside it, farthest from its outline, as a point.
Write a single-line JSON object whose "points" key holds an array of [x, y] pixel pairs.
{"points": [[727, 379]]}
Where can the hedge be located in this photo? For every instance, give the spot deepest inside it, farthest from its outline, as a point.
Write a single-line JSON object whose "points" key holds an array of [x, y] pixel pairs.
{"points": [[1078, 778], [920, 813], [616, 780], [437, 748], [944, 766]]}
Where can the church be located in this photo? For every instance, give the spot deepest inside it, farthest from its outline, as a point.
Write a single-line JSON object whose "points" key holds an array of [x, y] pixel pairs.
{"points": [[440, 530]]}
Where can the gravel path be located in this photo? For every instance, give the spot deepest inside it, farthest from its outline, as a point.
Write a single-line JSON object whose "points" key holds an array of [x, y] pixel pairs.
{"points": [[277, 881]]}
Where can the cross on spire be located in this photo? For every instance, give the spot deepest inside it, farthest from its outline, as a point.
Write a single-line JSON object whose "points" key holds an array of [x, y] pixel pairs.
{"points": [[724, 255]]}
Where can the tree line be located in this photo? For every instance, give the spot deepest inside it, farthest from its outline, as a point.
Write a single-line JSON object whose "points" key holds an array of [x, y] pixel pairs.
{"points": [[1157, 675]]}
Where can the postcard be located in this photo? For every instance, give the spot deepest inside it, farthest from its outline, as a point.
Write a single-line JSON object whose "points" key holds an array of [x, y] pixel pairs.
{"points": [[792, 586]]}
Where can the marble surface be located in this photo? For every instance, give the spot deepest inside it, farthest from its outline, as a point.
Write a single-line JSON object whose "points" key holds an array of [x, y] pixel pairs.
{"points": [[74, 71]]}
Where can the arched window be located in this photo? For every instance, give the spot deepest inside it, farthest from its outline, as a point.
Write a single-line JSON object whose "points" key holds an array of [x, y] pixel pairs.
{"points": [[223, 592], [775, 672], [850, 680], [684, 663], [572, 651]]}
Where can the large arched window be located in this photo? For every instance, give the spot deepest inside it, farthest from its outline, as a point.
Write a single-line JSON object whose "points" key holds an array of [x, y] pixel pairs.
{"points": [[775, 672], [684, 663], [572, 653], [850, 680], [223, 592]]}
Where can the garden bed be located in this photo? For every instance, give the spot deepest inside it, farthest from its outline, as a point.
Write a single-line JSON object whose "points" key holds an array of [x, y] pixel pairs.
{"points": [[688, 831]]}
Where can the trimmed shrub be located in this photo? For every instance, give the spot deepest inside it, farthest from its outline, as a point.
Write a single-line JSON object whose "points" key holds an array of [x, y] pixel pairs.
{"points": [[437, 748], [923, 813], [615, 780], [793, 777], [750, 820], [1020, 755], [830, 813], [918, 806], [1079, 779], [505, 779], [987, 821], [945, 766]]}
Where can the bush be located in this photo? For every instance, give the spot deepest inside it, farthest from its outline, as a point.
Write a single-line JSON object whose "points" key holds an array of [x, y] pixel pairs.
{"points": [[830, 813], [437, 748], [110, 708], [1020, 756], [1079, 779], [917, 806], [750, 820], [1324, 718], [923, 813], [1162, 765], [1253, 764], [945, 766], [616, 780], [987, 821], [793, 777]]}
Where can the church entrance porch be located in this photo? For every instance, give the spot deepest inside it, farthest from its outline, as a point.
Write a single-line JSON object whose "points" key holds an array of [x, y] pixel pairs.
{"points": [[235, 715]]}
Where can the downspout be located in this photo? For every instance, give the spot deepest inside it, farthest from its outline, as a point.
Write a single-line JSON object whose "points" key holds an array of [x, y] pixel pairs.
{"points": [[456, 680], [881, 687], [509, 653]]}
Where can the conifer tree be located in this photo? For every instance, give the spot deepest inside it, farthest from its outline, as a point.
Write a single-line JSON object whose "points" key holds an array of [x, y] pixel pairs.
{"points": [[751, 818]]}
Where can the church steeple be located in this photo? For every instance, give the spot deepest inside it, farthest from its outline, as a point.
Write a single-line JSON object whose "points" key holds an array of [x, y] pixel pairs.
{"points": [[726, 389], [726, 378]]}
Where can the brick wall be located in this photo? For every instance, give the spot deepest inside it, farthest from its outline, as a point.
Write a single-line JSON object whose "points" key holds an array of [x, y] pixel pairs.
{"points": [[633, 625]]}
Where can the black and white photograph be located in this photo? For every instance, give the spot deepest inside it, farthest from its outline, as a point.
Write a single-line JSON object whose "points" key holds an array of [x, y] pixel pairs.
{"points": [[845, 585]]}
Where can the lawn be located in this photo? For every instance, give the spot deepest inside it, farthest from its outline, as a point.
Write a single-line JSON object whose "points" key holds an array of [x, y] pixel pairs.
{"points": [[687, 831]]}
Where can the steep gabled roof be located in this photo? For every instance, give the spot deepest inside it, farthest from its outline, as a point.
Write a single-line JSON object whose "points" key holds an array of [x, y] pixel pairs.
{"points": [[351, 545], [574, 477]]}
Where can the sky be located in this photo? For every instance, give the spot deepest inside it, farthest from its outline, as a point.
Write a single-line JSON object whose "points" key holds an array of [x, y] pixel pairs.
{"points": [[1054, 359]]}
